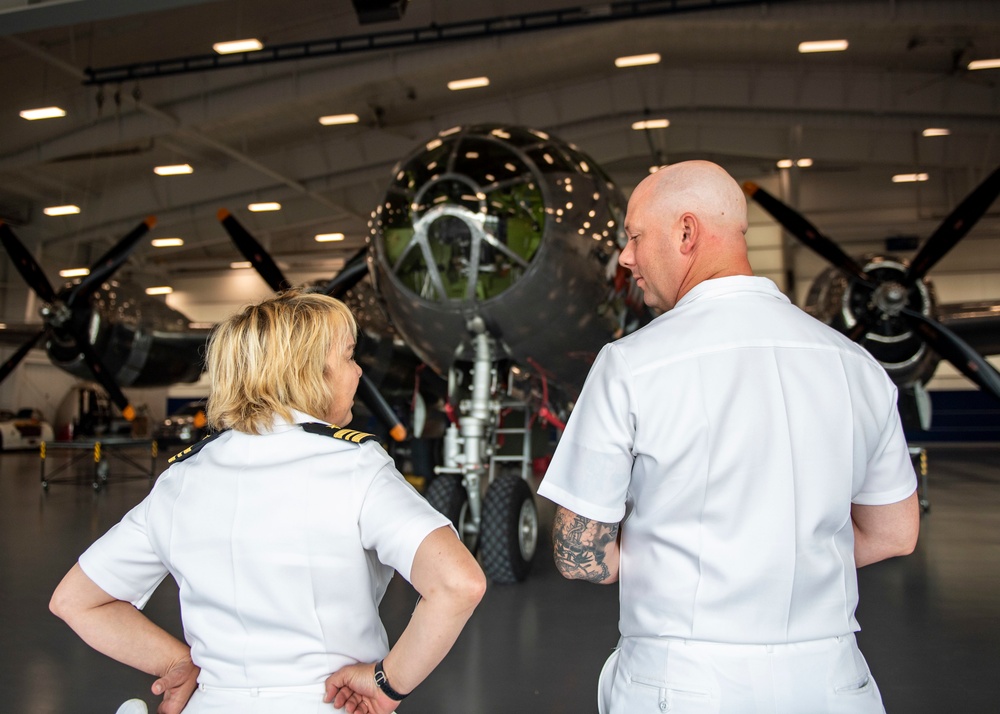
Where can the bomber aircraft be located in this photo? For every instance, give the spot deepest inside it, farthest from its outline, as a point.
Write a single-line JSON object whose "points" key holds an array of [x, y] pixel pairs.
{"points": [[494, 254]]}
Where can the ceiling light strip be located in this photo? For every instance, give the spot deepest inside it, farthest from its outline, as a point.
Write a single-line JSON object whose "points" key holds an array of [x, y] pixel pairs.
{"points": [[638, 60], [909, 178], [985, 64], [823, 46], [42, 113]]}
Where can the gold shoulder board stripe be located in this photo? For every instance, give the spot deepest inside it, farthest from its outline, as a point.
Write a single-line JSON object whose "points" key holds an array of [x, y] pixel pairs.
{"points": [[194, 448], [352, 435]]}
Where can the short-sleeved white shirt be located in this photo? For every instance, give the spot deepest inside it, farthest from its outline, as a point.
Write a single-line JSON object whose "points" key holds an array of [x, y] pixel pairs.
{"points": [[282, 545], [732, 434]]}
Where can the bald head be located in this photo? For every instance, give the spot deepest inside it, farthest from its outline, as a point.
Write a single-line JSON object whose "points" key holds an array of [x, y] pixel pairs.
{"points": [[686, 223], [703, 188]]}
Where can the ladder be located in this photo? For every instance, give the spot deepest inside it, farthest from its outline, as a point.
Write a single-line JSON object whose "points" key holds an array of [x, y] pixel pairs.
{"points": [[524, 458]]}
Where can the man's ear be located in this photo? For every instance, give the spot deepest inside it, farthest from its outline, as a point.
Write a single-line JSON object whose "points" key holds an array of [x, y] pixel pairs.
{"points": [[689, 233]]}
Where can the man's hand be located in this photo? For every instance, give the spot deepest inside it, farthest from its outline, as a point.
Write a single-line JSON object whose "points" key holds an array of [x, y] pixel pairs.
{"points": [[353, 688], [176, 685]]}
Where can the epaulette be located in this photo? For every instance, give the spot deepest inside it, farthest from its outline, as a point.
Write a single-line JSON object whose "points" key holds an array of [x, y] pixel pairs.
{"points": [[352, 435], [195, 448]]}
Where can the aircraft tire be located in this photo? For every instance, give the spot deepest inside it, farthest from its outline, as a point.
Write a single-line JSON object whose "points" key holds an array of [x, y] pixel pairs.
{"points": [[448, 496], [509, 530]]}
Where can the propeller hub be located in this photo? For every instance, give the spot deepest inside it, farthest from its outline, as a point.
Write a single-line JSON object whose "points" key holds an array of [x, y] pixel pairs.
{"points": [[890, 297], [56, 314]]}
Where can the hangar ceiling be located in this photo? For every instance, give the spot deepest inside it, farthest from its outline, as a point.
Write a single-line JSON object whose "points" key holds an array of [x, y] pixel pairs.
{"points": [[731, 83]]}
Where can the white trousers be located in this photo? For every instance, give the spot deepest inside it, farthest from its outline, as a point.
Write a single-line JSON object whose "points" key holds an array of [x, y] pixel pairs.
{"points": [[306, 699], [652, 675]]}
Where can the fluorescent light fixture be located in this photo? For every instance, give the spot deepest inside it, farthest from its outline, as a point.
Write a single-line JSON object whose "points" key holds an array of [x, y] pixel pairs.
{"points": [[785, 164], [160, 290], [3, 325], [265, 206], [471, 83], [985, 64], [936, 132], [909, 178], [804, 163], [166, 242], [334, 119], [241, 265], [43, 113], [823, 46], [328, 237], [234, 46], [74, 272], [66, 210], [173, 170], [638, 60], [651, 124]]}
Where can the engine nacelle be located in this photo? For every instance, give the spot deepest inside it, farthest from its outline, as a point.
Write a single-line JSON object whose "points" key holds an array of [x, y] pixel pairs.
{"points": [[840, 303], [143, 342]]}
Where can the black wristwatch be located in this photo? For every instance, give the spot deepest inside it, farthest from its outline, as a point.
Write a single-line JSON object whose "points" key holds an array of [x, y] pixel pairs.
{"points": [[383, 683]]}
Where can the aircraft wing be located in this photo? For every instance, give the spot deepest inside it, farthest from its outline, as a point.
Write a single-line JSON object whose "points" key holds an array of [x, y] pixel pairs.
{"points": [[15, 335], [978, 323]]}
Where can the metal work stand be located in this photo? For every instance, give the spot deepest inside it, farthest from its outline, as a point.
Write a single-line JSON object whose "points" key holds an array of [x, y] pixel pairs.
{"points": [[100, 452], [918, 455]]}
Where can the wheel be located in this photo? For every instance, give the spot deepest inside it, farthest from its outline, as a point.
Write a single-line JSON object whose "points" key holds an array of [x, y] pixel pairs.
{"points": [[448, 496], [509, 529]]}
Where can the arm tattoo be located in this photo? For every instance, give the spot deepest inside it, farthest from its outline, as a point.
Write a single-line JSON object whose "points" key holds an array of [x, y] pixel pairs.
{"points": [[580, 545]]}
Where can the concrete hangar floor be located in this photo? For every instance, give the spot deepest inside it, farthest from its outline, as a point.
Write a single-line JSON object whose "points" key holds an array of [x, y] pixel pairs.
{"points": [[930, 622]]}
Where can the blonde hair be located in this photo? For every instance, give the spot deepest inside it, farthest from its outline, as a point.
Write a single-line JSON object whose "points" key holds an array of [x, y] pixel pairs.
{"points": [[271, 358]]}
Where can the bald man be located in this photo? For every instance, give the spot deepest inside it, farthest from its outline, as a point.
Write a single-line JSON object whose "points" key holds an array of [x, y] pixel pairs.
{"points": [[732, 464]]}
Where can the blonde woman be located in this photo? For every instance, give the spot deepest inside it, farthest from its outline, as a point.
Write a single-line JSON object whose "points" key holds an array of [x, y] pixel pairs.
{"points": [[282, 531]]}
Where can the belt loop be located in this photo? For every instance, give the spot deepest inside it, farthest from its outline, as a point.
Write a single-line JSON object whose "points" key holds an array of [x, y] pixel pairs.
{"points": [[254, 691]]}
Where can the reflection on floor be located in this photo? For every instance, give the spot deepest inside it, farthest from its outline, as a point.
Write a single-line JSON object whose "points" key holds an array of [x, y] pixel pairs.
{"points": [[931, 622]]}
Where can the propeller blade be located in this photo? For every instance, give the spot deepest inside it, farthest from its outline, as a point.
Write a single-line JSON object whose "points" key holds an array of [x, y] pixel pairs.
{"points": [[350, 275], [951, 347], [380, 408], [954, 227], [254, 252], [21, 353], [104, 378], [26, 264], [807, 234], [108, 263]]}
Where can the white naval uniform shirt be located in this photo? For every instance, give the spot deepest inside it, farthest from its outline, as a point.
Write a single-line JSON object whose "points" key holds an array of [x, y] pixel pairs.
{"points": [[282, 545], [732, 434]]}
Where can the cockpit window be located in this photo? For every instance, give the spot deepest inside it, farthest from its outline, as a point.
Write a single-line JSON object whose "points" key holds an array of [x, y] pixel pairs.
{"points": [[463, 219]]}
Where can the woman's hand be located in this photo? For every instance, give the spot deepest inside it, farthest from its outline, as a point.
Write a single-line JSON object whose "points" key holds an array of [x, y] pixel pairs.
{"points": [[353, 688], [176, 685]]}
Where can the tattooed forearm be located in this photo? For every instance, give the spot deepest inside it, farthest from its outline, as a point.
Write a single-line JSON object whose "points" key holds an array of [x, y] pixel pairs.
{"points": [[581, 547]]}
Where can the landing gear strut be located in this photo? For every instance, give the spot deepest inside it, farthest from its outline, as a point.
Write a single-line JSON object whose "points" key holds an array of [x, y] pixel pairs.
{"points": [[503, 525]]}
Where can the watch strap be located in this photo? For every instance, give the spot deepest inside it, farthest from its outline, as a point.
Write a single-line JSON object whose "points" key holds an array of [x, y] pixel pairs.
{"points": [[382, 682]]}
